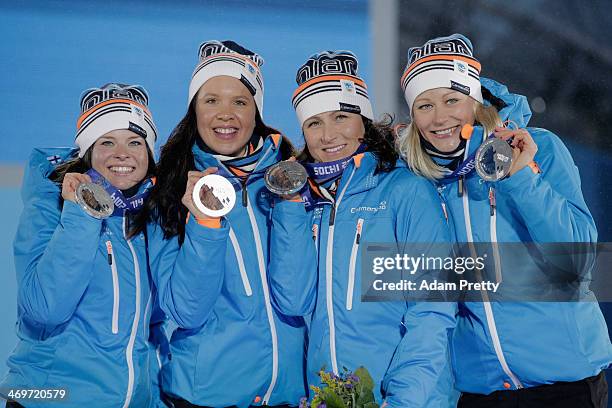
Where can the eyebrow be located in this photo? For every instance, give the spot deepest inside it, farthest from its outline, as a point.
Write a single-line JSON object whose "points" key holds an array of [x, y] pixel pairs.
{"points": [[113, 138], [449, 92], [421, 100], [204, 94]]}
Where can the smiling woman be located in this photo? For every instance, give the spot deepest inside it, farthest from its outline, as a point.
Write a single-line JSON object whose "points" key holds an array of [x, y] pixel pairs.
{"points": [[358, 192], [84, 288], [121, 157], [242, 340], [506, 354], [225, 113]]}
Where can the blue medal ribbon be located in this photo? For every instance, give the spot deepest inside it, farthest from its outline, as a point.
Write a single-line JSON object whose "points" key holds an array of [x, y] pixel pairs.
{"points": [[321, 174], [122, 204], [466, 166]]}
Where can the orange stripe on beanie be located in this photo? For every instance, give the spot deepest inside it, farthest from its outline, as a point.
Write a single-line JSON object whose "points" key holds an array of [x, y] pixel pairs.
{"points": [[228, 58], [111, 107], [444, 62], [328, 81]]}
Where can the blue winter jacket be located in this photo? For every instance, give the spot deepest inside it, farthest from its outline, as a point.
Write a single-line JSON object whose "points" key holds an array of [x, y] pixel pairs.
{"points": [[504, 345], [84, 300], [245, 352], [316, 269]]}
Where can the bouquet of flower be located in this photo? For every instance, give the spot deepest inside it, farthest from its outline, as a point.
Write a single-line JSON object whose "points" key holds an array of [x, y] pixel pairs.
{"points": [[348, 390]]}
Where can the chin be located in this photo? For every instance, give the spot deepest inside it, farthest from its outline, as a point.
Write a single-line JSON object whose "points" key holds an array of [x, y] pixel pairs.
{"points": [[122, 184]]}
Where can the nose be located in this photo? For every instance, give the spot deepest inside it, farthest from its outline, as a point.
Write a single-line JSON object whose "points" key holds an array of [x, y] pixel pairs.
{"points": [[225, 113], [121, 152], [328, 134], [440, 116]]}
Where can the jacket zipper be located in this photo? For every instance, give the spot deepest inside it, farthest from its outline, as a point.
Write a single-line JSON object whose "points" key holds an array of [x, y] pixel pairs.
{"points": [[268, 304], [115, 276], [243, 273], [129, 351], [353, 260], [486, 303], [329, 276]]}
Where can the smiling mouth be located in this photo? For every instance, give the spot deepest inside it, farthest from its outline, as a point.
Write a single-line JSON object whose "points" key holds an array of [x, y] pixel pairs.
{"points": [[334, 149], [444, 132], [225, 132], [122, 170]]}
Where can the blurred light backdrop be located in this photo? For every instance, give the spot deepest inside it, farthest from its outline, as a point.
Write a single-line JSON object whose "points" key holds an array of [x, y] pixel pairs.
{"points": [[557, 53]]}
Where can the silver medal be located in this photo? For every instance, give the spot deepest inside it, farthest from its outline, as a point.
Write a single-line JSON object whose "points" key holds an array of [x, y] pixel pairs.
{"points": [[95, 200], [285, 178], [493, 159], [214, 195]]}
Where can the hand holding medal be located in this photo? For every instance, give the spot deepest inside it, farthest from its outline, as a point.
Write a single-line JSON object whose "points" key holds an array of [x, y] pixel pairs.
{"points": [[286, 178], [92, 197], [70, 184], [208, 195], [524, 147]]}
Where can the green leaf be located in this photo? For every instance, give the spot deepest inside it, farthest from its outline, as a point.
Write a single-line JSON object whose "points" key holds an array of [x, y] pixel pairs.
{"points": [[365, 379], [365, 398], [332, 400]]}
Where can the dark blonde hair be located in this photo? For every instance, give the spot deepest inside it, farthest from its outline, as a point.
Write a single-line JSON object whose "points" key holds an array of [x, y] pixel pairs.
{"points": [[410, 148]]}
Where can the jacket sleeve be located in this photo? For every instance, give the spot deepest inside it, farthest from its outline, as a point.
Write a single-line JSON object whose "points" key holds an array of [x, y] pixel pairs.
{"points": [[54, 248], [293, 260], [550, 203], [420, 367], [188, 278]]}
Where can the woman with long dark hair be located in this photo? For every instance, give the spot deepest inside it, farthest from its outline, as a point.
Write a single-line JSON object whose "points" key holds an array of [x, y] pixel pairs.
{"points": [[233, 349], [358, 192]]}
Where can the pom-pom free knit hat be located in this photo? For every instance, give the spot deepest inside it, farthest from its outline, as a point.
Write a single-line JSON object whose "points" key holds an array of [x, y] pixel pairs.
{"points": [[114, 106], [444, 62], [229, 58], [329, 81]]}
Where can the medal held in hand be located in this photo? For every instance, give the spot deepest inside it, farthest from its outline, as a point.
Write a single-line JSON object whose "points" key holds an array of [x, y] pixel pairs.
{"points": [[95, 200], [285, 178], [214, 195], [493, 159]]}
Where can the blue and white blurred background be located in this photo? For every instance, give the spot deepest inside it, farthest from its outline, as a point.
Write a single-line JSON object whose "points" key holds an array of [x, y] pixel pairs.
{"points": [[557, 53]]}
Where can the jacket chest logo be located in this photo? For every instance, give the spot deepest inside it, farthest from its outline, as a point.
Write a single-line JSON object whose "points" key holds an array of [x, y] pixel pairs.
{"points": [[382, 206]]}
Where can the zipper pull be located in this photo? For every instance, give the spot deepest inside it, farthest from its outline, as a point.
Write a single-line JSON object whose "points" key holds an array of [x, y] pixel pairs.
{"points": [[332, 215], [444, 210], [460, 187], [492, 202], [245, 196], [315, 232], [109, 251], [358, 235]]}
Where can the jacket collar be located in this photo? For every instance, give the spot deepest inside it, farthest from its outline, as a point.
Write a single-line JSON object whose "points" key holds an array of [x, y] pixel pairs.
{"points": [[516, 109], [270, 155]]}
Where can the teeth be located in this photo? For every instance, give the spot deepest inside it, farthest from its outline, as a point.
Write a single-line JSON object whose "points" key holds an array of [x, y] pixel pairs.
{"points": [[118, 169], [334, 149], [445, 131], [225, 131]]}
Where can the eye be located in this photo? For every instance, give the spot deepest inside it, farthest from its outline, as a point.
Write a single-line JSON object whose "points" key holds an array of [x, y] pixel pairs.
{"points": [[210, 100], [341, 116], [312, 124], [107, 143], [424, 106], [136, 142], [241, 102], [451, 101]]}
